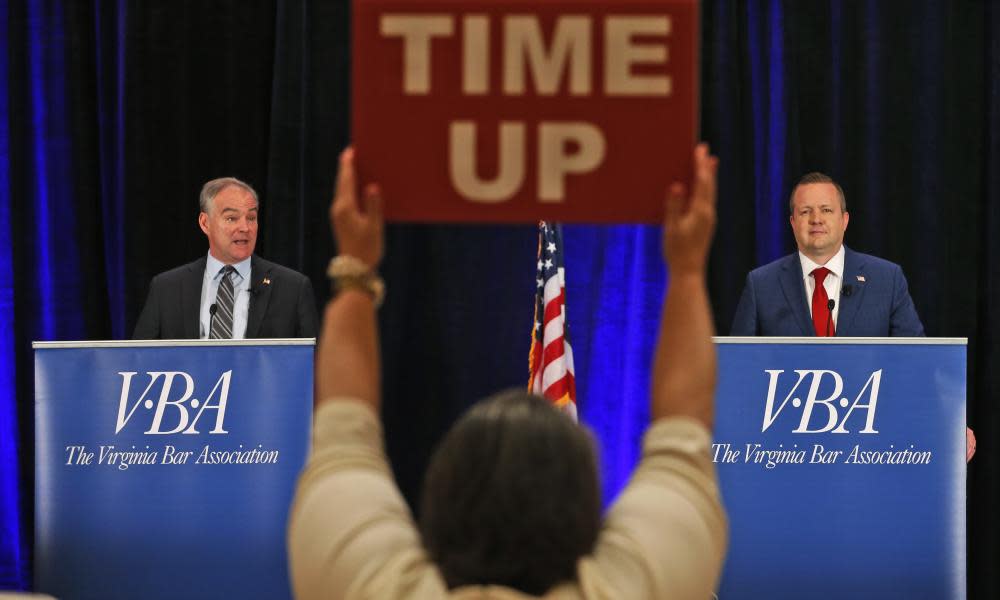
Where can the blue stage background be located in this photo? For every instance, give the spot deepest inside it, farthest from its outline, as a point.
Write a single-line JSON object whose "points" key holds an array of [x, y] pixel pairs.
{"points": [[826, 525], [113, 114], [168, 524]]}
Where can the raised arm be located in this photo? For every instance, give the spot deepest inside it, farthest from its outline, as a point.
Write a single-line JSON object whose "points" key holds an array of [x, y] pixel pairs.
{"points": [[347, 354], [684, 364]]}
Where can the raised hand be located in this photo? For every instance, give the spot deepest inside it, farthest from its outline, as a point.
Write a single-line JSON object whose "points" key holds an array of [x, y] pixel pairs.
{"points": [[689, 221], [359, 231]]}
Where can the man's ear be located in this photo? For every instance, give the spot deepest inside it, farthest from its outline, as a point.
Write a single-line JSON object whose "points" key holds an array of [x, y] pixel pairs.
{"points": [[847, 218], [203, 222]]}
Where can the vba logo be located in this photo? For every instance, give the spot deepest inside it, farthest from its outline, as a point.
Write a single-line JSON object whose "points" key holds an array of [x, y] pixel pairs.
{"points": [[173, 415], [829, 419]]}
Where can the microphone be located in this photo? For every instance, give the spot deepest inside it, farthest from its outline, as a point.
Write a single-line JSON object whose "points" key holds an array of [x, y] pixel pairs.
{"points": [[830, 304], [847, 290], [211, 317]]}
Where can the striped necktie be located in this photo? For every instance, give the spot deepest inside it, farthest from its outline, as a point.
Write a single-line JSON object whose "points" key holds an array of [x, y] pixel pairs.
{"points": [[222, 321]]}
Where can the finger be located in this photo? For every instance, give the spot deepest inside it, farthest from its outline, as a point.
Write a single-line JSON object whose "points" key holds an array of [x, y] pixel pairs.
{"points": [[373, 203], [345, 193], [713, 166], [705, 175], [675, 203]]}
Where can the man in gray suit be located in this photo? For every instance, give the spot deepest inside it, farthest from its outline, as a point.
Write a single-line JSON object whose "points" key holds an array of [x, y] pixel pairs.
{"points": [[259, 299]]}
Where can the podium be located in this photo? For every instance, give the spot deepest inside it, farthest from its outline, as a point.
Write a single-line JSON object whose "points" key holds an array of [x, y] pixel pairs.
{"points": [[166, 469], [842, 467]]}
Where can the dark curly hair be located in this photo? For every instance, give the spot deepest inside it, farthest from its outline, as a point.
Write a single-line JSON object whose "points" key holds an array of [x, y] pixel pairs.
{"points": [[511, 496]]}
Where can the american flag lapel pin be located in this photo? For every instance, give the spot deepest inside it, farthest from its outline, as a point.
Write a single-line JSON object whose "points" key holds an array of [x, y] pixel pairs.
{"points": [[861, 278]]}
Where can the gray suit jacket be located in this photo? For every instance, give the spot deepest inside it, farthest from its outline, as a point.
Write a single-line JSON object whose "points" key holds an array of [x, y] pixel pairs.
{"points": [[282, 304]]}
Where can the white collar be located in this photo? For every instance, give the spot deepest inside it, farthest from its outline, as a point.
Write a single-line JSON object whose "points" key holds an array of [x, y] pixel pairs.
{"points": [[214, 265], [835, 265]]}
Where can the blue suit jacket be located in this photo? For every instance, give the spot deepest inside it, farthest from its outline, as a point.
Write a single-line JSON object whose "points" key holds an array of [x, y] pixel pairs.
{"points": [[874, 300]]}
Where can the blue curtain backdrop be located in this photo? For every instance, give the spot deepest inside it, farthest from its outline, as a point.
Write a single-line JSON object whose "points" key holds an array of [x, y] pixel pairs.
{"points": [[112, 115], [12, 561], [614, 289]]}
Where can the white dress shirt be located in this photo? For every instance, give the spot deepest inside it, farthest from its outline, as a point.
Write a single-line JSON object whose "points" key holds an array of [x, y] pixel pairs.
{"points": [[241, 296], [832, 284]]}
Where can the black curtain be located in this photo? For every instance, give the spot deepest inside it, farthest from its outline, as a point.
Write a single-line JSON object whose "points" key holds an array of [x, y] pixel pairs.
{"points": [[897, 101], [142, 102]]}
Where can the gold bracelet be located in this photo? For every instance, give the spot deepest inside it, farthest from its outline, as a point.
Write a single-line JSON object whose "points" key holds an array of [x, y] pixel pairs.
{"points": [[349, 272]]}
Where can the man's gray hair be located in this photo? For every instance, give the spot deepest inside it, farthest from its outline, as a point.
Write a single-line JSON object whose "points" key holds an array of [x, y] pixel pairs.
{"points": [[817, 177], [211, 189]]}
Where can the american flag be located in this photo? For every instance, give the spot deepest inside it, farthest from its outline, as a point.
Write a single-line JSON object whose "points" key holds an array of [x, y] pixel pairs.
{"points": [[551, 358]]}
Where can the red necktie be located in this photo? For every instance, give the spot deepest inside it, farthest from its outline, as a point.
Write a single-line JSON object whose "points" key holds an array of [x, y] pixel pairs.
{"points": [[822, 317]]}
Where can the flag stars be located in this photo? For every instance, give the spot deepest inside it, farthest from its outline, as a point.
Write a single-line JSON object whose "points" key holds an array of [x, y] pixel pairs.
{"points": [[550, 328]]}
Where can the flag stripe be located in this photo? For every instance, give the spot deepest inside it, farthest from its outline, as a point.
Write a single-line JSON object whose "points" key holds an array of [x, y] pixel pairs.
{"points": [[559, 389], [550, 360]]}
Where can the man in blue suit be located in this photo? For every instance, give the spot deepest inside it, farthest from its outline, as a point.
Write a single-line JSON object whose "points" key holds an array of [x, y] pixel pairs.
{"points": [[866, 296], [825, 288]]}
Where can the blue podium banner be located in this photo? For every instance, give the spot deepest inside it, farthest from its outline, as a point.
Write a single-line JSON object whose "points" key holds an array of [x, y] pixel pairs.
{"points": [[166, 470], [842, 467]]}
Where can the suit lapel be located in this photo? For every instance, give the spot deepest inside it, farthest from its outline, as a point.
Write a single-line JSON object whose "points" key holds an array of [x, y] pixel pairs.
{"points": [[191, 298], [854, 271], [260, 295], [795, 293]]}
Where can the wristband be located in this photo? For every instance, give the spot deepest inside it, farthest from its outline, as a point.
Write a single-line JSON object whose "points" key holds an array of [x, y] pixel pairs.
{"points": [[349, 272]]}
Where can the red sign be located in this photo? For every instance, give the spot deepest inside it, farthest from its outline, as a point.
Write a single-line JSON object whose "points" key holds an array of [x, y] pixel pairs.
{"points": [[515, 110]]}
